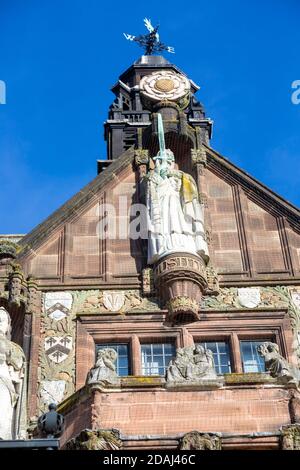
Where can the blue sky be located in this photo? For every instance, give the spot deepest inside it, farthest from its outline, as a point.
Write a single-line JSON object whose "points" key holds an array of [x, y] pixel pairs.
{"points": [[59, 59]]}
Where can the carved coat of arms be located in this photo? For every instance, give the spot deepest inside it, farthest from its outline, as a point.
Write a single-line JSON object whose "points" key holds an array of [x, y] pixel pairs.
{"points": [[249, 296], [57, 348], [295, 294], [52, 391], [58, 304], [113, 300]]}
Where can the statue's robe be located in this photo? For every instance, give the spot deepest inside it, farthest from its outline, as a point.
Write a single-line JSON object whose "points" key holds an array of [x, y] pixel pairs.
{"points": [[175, 216]]}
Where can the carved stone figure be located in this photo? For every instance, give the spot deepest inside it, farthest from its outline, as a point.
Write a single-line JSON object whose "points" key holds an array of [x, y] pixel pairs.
{"points": [[277, 365], [196, 440], [192, 364], [12, 383], [104, 370], [175, 217]]}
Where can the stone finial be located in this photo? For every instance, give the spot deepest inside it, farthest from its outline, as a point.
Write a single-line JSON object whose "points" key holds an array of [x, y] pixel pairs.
{"points": [[100, 439], [277, 365], [196, 440], [290, 437], [104, 370], [193, 365]]}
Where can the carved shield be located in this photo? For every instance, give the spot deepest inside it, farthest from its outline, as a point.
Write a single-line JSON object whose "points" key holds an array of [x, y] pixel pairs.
{"points": [[296, 298], [249, 296], [58, 348], [58, 304], [113, 300], [52, 391]]}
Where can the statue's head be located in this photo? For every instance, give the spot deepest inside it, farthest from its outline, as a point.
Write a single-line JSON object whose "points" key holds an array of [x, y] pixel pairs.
{"points": [[5, 322], [199, 349], [165, 160]]}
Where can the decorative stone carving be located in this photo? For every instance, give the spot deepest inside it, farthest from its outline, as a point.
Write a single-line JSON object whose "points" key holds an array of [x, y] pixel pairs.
{"points": [[180, 280], [196, 440], [104, 370], [193, 365], [113, 300], [147, 281], [249, 296], [58, 347], [52, 391], [58, 304], [91, 302], [96, 440], [164, 85], [295, 295], [183, 307], [8, 249], [199, 156], [213, 287], [57, 352], [12, 383], [175, 217], [141, 157], [277, 365], [290, 437]]}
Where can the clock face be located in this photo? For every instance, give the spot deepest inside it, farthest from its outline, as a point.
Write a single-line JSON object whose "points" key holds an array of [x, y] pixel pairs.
{"points": [[164, 85]]}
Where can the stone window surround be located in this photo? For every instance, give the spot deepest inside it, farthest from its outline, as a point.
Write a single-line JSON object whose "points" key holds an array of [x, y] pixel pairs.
{"points": [[134, 343], [218, 326]]}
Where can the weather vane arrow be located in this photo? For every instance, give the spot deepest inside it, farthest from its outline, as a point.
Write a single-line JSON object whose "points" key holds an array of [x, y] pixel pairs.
{"points": [[150, 42]]}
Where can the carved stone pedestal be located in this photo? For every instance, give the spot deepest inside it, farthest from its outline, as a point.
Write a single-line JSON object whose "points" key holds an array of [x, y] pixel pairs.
{"points": [[180, 280]]}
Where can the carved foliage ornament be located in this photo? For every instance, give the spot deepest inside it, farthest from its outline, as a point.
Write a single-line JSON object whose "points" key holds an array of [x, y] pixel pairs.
{"points": [[199, 441], [96, 440], [164, 85]]}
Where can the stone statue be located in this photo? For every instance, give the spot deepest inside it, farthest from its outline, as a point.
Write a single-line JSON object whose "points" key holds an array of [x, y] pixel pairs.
{"points": [[175, 216], [104, 370], [12, 383], [277, 365], [193, 364]]}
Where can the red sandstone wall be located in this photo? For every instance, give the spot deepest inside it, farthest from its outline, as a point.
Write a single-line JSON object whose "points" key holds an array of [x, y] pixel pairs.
{"points": [[171, 413]]}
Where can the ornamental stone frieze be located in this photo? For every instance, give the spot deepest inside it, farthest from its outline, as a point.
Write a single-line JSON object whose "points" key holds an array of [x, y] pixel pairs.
{"points": [[275, 298], [96, 301], [196, 440]]}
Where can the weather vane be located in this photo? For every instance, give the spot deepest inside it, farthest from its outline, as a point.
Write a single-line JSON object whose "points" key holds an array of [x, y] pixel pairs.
{"points": [[150, 41]]}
